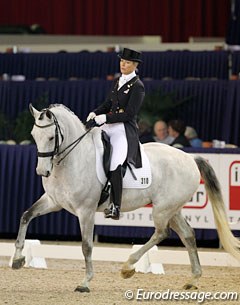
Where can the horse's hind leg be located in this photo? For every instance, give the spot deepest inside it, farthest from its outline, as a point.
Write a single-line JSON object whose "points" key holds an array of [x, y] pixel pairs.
{"points": [[161, 232], [186, 233], [43, 206]]}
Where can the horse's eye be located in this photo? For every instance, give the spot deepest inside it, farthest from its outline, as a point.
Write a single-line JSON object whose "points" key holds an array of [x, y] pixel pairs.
{"points": [[50, 139]]}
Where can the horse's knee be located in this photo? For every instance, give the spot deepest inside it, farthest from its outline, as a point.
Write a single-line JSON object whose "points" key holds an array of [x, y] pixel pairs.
{"points": [[158, 236], [26, 217]]}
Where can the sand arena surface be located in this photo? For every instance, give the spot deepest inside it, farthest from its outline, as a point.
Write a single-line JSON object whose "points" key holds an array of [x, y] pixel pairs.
{"points": [[55, 285]]}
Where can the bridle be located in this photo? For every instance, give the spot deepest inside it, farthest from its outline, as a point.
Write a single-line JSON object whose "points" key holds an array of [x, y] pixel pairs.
{"points": [[57, 132], [55, 151]]}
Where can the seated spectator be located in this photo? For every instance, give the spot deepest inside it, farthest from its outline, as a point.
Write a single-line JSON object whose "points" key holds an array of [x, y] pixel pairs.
{"points": [[145, 132], [161, 133], [176, 129], [191, 135]]}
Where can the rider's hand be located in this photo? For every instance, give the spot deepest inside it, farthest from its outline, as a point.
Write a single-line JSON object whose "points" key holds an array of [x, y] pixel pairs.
{"points": [[91, 116], [90, 124], [100, 119]]}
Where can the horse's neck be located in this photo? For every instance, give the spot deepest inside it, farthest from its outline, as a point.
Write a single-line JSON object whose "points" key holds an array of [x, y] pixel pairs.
{"points": [[72, 131], [83, 152], [71, 126]]}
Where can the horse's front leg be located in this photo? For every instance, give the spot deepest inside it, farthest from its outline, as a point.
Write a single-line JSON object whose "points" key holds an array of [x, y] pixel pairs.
{"points": [[43, 206], [86, 220]]}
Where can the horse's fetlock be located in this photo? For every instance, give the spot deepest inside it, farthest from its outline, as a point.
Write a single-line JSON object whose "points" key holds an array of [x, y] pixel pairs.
{"points": [[19, 245]]}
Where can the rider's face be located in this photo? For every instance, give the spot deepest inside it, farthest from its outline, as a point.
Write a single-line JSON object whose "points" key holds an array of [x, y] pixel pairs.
{"points": [[127, 66]]}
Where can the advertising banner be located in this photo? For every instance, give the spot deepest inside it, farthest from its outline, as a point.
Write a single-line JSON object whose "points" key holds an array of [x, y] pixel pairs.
{"points": [[198, 211]]}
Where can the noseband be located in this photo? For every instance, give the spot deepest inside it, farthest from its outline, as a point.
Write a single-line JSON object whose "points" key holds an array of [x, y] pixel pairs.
{"points": [[56, 151]]}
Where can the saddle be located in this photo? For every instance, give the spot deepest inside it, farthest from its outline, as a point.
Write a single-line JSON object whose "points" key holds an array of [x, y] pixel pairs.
{"points": [[107, 150], [132, 177]]}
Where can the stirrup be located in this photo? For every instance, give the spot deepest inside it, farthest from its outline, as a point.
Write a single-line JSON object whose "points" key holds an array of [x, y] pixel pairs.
{"points": [[112, 212]]}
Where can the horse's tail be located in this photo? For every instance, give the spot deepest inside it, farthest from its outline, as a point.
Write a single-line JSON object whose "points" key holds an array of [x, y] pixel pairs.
{"points": [[230, 243]]}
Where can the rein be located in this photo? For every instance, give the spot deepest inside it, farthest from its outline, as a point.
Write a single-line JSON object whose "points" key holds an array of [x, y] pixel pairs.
{"points": [[74, 144], [56, 152]]}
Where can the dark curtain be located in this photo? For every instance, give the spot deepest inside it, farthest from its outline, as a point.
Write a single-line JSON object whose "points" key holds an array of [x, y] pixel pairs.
{"points": [[235, 58], [174, 20], [20, 188], [92, 65], [185, 64], [79, 96], [61, 65], [212, 107], [233, 28], [230, 130], [206, 107]]}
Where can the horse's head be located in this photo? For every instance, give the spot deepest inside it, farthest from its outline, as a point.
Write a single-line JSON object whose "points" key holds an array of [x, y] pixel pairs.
{"points": [[48, 136]]}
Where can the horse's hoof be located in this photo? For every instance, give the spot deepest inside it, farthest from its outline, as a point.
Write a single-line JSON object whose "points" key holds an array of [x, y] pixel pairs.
{"points": [[18, 263], [82, 289], [190, 287], [127, 273]]}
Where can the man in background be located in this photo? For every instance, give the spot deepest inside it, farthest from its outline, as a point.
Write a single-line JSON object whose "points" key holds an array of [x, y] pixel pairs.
{"points": [[161, 132]]}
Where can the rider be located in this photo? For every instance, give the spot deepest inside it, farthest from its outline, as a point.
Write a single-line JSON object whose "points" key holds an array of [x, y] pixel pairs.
{"points": [[118, 115]]}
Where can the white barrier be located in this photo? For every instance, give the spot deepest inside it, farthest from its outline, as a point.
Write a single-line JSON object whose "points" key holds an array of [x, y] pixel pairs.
{"points": [[145, 263], [115, 254], [31, 259]]}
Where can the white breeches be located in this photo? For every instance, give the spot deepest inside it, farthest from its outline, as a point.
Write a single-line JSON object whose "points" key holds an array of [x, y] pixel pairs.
{"points": [[118, 140]]}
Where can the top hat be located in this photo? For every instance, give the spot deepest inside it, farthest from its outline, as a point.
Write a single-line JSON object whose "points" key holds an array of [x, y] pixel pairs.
{"points": [[130, 55]]}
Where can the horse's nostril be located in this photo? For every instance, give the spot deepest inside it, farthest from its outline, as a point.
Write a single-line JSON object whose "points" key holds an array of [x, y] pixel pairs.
{"points": [[48, 174]]}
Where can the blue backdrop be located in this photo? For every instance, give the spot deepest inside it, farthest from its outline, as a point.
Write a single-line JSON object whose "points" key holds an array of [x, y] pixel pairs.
{"points": [[213, 109], [89, 65]]}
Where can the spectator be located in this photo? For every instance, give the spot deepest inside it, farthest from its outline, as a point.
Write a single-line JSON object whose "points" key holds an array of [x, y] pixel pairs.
{"points": [[176, 129], [192, 136], [161, 133], [145, 132]]}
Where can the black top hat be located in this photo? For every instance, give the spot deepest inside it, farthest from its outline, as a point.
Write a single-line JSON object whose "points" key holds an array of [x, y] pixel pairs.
{"points": [[130, 55]]}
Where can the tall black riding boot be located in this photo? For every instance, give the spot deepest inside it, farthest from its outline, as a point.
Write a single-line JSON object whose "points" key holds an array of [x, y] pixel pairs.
{"points": [[116, 194]]}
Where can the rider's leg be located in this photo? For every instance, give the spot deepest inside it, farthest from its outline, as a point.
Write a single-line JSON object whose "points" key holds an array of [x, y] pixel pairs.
{"points": [[118, 141], [116, 194]]}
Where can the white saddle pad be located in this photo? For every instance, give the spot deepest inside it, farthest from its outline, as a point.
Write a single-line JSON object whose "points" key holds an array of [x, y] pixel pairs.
{"points": [[143, 174]]}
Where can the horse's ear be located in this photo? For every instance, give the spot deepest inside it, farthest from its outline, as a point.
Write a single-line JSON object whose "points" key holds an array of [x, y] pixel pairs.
{"points": [[33, 111], [49, 114]]}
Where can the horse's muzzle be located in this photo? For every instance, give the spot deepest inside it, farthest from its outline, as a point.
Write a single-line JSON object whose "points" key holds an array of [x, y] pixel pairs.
{"points": [[44, 174], [47, 174]]}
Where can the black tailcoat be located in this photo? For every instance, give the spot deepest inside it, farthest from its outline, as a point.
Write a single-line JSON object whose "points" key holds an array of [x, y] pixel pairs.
{"points": [[123, 106]]}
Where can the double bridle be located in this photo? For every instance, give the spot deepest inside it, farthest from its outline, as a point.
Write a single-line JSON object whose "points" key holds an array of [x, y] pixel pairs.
{"points": [[58, 132]]}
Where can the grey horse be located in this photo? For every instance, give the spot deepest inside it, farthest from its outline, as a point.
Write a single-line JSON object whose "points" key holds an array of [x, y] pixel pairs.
{"points": [[66, 162]]}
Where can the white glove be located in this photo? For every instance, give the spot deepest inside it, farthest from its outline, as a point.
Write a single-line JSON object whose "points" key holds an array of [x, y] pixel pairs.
{"points": [[100, 119], [91, 116]]}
